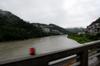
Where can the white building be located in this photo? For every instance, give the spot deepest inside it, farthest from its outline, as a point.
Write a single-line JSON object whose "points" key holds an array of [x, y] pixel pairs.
{"points": [[94, 28]]}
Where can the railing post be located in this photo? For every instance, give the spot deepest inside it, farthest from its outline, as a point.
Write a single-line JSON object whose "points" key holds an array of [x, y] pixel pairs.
{"points": [[84, 58]]}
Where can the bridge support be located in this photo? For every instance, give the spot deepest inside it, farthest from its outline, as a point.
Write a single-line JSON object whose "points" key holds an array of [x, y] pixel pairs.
{"points": [[84, 58]]}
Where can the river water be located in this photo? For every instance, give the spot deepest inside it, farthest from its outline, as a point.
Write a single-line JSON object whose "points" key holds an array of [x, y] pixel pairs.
{"points": [[15, 49], [20, 49]]}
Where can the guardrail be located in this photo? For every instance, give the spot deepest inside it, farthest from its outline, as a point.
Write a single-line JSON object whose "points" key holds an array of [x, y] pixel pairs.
{"points": [[81, 52]]}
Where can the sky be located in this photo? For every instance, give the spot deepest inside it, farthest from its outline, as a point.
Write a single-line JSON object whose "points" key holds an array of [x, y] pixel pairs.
{"points": [[65, 13]]}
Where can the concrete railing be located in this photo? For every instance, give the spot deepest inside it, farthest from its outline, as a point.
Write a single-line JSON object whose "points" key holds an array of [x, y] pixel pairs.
{"points": [[82, 54]]}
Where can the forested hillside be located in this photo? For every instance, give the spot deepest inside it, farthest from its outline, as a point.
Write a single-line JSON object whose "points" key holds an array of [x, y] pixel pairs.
{"points": [[15, 28]]}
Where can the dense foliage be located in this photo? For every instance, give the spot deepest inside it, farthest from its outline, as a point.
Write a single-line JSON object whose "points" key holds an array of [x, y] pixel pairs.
{"points": [[83, 38], [12, 28]]}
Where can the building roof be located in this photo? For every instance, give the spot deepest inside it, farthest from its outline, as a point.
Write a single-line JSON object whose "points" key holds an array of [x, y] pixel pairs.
{"points": [[97, 21]]}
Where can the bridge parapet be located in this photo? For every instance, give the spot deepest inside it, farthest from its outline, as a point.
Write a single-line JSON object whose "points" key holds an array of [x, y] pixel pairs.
{"points": [[81, 54]]}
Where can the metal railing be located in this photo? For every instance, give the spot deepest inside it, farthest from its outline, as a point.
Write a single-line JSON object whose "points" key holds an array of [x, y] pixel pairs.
{"points": [[82, 55]]}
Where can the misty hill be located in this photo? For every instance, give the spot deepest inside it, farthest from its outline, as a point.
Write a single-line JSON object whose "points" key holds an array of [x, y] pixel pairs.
{"points": [[51, 28], [14, 28], [75, 30], [56, 27]]}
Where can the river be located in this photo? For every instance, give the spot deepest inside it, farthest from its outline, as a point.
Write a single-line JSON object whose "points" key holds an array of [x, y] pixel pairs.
{"points": [[15, 49]]}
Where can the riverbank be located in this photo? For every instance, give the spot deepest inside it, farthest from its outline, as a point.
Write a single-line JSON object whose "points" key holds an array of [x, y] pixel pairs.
{"points": [[83, 38]]}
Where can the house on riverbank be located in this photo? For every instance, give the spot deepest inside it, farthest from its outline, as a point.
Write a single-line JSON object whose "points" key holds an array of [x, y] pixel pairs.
{"points": [[94, 28]]}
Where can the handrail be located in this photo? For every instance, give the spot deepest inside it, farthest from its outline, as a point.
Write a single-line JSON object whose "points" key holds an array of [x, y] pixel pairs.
{"points": [[44, 59]]}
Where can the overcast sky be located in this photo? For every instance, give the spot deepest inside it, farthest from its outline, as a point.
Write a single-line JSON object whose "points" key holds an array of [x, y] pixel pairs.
{"points": [[65, 13]]}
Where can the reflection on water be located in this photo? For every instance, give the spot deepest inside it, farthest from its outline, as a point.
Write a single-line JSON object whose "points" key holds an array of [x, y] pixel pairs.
{"points": [[42, 45]]}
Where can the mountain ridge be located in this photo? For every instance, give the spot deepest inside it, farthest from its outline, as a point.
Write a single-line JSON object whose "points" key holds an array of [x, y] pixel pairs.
{"points": [[13, 27]]}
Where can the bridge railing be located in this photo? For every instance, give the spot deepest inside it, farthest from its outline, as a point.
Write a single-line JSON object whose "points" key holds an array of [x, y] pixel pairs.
{"points": [[82, 54]]}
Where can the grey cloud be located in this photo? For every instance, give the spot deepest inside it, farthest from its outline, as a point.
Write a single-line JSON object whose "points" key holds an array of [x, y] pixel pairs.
{"points": [[65, 13]]}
